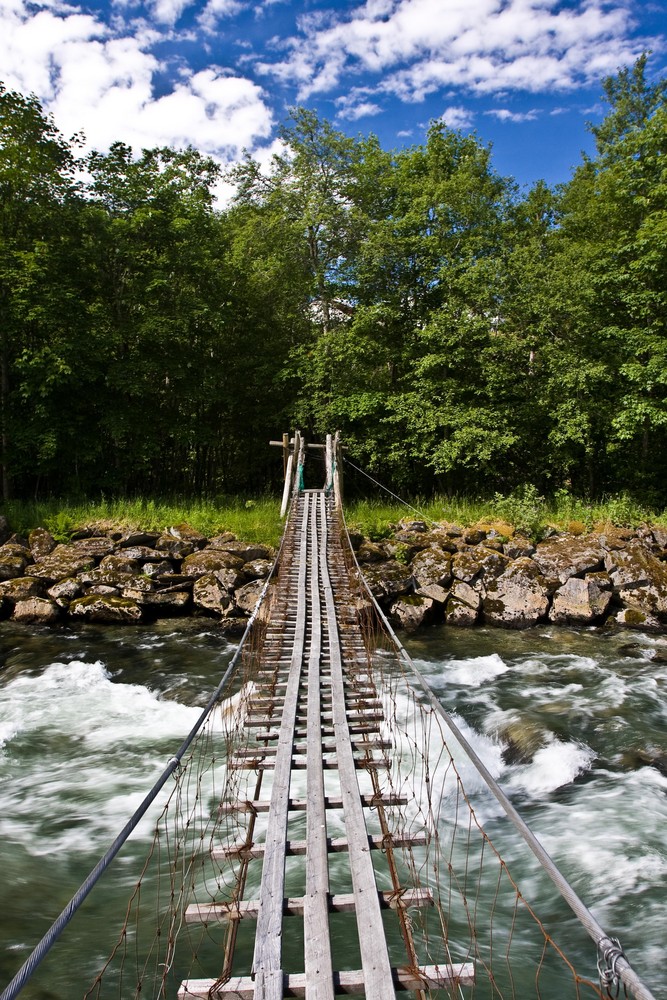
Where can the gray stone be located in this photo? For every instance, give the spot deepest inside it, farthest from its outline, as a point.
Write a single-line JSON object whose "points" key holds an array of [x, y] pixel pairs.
{"points": [[245, 551], [36, 611], [411, 612], [210, 560], [41, 542], [435, 592], [257, 569], [65, 591], [564, 556], [246, 597], [98, 608], [98, 546], [22, 588], [209, 594], [579, 601], [388, 579], [518, 598], [370, 552], [64, 561], [635, 618], [432, 566], [463, 605]]}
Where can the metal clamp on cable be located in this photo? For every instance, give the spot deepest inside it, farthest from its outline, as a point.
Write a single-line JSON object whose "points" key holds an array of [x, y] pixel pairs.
{"points": [[609, 953]]}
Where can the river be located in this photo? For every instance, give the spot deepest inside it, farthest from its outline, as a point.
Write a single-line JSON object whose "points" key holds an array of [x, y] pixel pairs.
{"points": [[89, 717]]}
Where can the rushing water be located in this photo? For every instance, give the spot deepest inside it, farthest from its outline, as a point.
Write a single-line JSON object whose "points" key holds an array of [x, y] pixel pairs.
{"points": [[565, 719]]}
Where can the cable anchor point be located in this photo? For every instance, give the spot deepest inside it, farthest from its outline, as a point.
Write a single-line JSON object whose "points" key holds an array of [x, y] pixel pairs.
{"points": [[609, 953]]}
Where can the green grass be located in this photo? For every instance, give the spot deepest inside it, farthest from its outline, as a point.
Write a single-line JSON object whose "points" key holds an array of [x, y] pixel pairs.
{"points": [[258, 520], [524, 509], [252, 520]]}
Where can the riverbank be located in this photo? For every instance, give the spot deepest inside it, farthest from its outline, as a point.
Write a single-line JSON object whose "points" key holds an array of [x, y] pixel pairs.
{"points": [[421, 575]]}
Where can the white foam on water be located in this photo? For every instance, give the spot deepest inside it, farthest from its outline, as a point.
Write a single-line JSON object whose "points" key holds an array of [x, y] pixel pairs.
{"points": [[80, 753], [552, 767], [473, 672]]}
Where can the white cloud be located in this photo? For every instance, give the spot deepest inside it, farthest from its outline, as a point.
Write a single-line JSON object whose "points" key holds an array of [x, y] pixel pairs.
{"points": [[420, 46], [355, 105], [103, 83], [457, 117], [504, 115]]}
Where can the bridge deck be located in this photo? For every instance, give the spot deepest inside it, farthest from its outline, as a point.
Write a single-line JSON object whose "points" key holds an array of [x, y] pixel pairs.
{"points": [[315, 708]]}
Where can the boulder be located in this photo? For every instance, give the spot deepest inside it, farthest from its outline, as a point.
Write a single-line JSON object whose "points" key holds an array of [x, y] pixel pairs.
{"points": [[518, 547], [12, 562], [435, 592], [209, 594], [563, 556], [388, 579], [99, 608], [186, 533], [245, 551], [65, 591], [580, 600], [142, 554], [167, 601], [463, 605], [478, 562], [98, 546], [635, 618], [41, 542], [132, 538], [119, 564], [22, 588], [210, 560], [257, 569], [518, 598], [161, 569], [432, 566], [370, 552], [174, 548], [64, 561], [246, 597], [410, 612], [36, 611], [639, 579]]}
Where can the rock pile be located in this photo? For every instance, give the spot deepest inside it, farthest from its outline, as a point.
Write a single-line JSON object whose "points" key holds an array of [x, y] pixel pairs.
{"points": [[421, 575], [463, 576], [130, 577]]}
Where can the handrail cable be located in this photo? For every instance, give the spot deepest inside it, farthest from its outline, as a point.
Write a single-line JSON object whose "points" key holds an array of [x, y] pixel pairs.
{"points": [[609, 949], [57, 927], [387, 490]]}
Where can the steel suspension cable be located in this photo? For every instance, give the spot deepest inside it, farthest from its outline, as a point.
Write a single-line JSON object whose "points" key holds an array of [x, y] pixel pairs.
{"points": [[57, 927], [608, 948]]}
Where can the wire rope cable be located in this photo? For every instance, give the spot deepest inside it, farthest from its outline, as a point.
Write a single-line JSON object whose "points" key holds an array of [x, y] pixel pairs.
{"points": [[57, 927], [387, 490], [610, 953]]}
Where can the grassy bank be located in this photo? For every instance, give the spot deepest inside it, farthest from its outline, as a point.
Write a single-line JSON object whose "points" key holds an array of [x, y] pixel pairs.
{"points": [[258, 520]]}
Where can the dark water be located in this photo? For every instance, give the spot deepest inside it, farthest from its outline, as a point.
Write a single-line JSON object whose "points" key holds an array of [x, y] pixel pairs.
{"points": [[88, 719]]}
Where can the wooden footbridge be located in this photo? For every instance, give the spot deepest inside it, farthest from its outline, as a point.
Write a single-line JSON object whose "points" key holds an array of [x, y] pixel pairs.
{"points": [[315, 708], [318, 839]]}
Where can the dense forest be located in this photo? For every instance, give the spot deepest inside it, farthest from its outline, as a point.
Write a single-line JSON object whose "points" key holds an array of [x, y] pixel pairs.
{"points": [[464, 336]]}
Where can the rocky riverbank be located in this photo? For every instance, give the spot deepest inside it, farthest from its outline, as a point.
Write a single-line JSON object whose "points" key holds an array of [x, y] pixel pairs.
{"points": [[421, 575]]}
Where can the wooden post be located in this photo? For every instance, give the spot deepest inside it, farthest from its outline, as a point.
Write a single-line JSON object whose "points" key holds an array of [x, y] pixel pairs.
{"points": [[338, 470], [328, 462], [285, 454]]}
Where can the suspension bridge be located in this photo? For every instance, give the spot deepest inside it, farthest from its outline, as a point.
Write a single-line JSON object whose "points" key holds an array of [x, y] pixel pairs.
{"points": [[318, 839]]}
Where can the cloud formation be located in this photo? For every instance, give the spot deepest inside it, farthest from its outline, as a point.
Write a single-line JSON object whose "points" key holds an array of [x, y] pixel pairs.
{"points": [[416, 47], [103, 79]]}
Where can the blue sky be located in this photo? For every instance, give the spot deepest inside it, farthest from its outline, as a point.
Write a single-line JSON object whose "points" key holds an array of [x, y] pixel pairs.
{"points": [[221, 74]]}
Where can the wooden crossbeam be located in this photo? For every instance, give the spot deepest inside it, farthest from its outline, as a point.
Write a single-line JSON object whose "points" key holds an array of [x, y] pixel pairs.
{"points": [[295, 984], [335, 845]]}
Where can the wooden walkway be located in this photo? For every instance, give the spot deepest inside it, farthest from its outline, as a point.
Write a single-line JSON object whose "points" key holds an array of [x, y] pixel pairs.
{"points": [[316, 709]]}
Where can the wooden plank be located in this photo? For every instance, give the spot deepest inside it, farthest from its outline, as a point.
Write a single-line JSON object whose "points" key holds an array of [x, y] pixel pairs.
{"points": [[294, 906], [299, 805], [267, 955], [335, 845], [431, 977], [317, 947], [374, 955]]}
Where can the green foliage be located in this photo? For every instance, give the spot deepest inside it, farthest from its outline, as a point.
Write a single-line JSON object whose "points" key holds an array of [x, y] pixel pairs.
{"points": [[524, 508]]}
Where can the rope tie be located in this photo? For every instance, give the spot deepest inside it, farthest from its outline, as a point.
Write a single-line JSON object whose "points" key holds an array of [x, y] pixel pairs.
{"points": [[608, 957]]}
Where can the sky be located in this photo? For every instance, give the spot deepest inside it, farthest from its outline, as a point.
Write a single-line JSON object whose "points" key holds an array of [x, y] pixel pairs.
{"points": [[221, 75]]}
